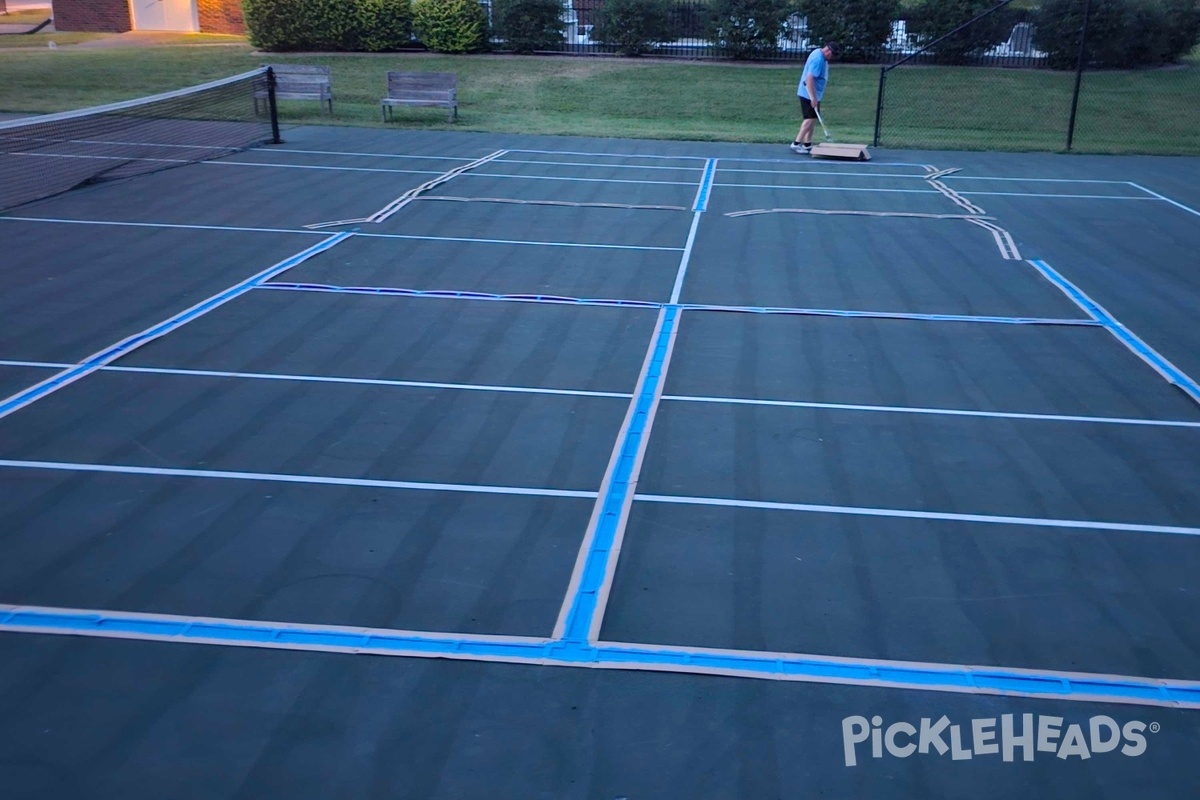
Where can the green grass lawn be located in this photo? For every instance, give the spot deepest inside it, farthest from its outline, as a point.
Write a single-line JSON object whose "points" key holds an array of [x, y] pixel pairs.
{"points": [[1152, 111], [25, 16]]}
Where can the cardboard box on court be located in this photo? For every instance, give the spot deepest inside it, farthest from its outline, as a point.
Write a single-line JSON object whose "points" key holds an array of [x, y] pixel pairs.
{"points": [[854, 152]]}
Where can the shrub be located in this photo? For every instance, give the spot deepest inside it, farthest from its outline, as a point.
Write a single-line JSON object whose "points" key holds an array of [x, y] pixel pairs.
{"points": [[328, 24], [1121, 33], [299, 24], [386, 25], [744, 29], [633, 26], [860, 27], [450, 26], [529, 25], [933, 18]]}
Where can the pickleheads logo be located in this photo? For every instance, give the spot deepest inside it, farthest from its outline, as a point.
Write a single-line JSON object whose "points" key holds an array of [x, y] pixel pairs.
{"points": [[1031, 735]]}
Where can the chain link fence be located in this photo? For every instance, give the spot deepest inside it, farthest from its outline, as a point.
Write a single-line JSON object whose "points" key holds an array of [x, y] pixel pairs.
{"points": [[1106, 76]]}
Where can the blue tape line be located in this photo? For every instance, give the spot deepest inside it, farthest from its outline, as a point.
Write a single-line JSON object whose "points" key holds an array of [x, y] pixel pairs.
{"points": [[1102, 317], [710, 170], [583, 605], [609, 655], [121, 348], [556, 299]]}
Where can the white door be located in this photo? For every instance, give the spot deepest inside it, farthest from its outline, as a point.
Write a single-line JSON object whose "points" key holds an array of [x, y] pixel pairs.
{"points": [[163, 15]]}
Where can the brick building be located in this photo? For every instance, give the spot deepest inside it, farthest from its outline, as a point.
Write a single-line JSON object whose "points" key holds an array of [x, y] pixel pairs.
{"points": [[203, 16]]}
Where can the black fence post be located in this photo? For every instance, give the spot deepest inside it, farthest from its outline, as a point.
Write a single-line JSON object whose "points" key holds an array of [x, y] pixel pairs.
{"points": [[879, 105], [274, 109], [1083, 34]]}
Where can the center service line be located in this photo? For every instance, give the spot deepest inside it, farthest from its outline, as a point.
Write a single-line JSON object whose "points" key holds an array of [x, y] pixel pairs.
{"points": [[582, 611], [129, 344]]}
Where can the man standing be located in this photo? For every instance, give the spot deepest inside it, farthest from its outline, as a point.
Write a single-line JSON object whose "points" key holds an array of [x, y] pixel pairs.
{"points": [[810, 92]]}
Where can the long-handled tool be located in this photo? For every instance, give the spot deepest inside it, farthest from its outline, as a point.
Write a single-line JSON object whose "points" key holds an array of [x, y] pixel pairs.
{"points": [[825, 130], [827, 149]]}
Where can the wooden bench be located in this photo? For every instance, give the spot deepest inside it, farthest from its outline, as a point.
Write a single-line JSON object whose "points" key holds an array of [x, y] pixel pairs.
{"points": [[421, 89], [300, 82]]}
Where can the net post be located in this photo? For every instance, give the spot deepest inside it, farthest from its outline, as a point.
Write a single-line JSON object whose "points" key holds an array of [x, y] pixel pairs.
{"points": [[1083, 33], [883, 71], [274, 109]]}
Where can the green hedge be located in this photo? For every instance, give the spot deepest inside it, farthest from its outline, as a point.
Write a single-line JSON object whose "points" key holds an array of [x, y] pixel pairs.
{"points": [[743, 29], [529, 25], [930, 19], [1121, 33], [375, 25], [450, 26], [633, 27], [860, 27]]}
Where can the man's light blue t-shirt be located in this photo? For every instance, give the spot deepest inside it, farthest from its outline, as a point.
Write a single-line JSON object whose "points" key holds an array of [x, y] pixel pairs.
{"points": [[818, 67]]}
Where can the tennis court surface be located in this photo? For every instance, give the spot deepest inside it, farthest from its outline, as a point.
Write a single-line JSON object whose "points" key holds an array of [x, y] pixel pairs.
{"points": [[435, 465]]}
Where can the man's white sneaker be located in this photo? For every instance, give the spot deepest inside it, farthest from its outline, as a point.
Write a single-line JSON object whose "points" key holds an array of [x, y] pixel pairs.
{"points": [[802, 149]]}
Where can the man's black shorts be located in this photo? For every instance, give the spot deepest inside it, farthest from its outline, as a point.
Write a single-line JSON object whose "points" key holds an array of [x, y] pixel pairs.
{"points": [[806, 107]]}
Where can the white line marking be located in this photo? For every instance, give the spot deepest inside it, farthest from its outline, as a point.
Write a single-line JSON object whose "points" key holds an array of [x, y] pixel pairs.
{"points": [[130, 343], [359, 235], [1188, 209], [274, 376], [105, 158], [1055, 196], [181, 226], [677, 289], [909, 514], [953, 412], [271, 477]]}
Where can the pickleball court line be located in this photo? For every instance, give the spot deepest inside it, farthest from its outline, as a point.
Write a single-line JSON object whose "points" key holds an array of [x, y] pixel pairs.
{"points": [[530, 651], [127, 345]]}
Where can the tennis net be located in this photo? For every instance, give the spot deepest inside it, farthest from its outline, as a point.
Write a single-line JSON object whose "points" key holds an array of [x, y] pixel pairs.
{"points": [[53, 153]]}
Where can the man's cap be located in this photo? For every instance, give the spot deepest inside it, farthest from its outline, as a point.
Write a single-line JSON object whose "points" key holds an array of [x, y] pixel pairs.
{"points": [[833, 47]]}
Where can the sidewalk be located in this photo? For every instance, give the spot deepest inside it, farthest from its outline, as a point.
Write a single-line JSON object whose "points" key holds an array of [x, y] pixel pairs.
{"points": [[158, 39]]}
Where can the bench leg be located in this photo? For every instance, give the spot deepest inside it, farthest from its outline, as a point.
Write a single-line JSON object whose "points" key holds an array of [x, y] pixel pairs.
{"points": [[453, 113]]}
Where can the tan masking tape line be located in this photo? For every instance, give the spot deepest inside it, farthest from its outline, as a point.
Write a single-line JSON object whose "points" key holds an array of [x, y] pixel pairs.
{"points": [[832, 212]]}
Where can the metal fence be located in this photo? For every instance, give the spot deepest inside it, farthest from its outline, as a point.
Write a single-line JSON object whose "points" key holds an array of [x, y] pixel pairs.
{"points": [[692, 40], [1077, 94]]}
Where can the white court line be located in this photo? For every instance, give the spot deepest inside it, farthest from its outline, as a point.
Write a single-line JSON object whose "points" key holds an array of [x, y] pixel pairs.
{"points": [[909, 514], [46, 139], [594, 165], [432, 172], [518, 241], [1164, 198], [953, 412], [105, 158], [235, 228], [1030, 180], [1061, 196], [881, 190], [823, 188], [278, 376], [366, 155], [580, 392], [271, 477], [326, 168], [605, 155]]}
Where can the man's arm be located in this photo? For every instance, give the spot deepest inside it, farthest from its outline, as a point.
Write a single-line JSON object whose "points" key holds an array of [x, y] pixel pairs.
{"points": [[812, 91]]}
